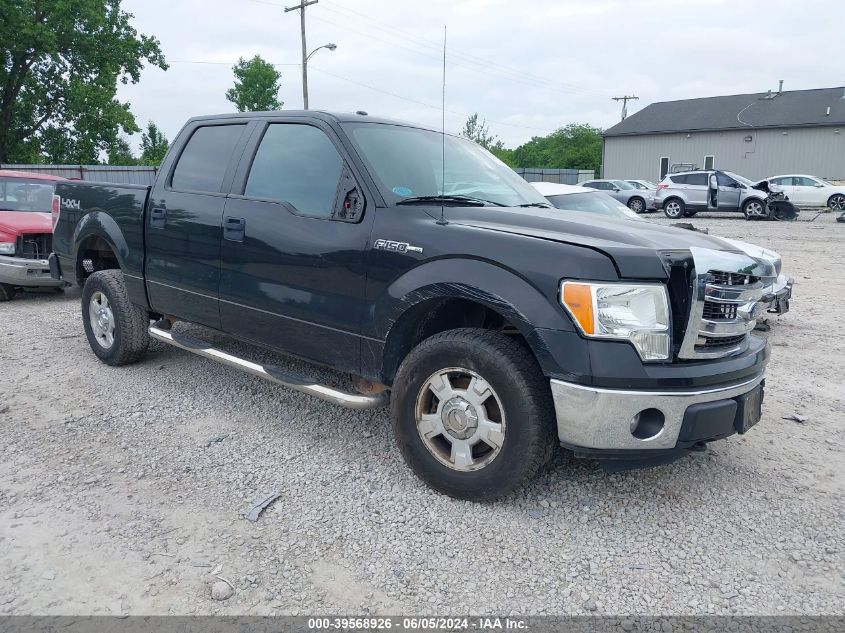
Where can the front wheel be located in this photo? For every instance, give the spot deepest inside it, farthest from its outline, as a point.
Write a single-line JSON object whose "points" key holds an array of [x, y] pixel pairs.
{"points": [[472, 414], [637, 205], [117, 329], [674, 208], [753, 209], [836, 202]]}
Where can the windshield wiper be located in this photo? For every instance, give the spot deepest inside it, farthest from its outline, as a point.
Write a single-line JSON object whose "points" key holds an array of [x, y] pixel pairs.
{"points": [[455, 199], [542, 205]]}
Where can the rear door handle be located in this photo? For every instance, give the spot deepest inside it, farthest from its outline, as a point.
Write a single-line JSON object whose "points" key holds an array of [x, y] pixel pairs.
{"points": [[158, 217], [234, 229]]}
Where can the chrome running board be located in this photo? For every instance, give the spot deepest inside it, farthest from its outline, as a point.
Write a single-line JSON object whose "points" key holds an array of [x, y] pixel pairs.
{"points": [[271, 373]]}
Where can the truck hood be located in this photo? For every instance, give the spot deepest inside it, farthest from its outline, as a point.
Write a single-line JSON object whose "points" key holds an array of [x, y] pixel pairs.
{"points": [[634, 245], [16, 223]]}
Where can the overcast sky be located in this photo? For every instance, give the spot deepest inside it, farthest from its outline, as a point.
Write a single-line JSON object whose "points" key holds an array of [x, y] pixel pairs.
{"points": [[528, 67]]}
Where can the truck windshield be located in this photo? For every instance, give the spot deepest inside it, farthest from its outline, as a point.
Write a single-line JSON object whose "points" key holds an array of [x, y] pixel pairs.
{"points": [[407, 162], [18, 194]]}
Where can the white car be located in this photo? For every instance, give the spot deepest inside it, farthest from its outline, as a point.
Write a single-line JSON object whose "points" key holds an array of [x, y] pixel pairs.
{"points": [[810, 191], [584, 200], [642, 184]]}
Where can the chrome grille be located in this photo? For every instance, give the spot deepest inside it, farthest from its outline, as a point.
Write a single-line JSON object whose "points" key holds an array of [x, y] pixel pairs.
{"points": [[726, 290]]}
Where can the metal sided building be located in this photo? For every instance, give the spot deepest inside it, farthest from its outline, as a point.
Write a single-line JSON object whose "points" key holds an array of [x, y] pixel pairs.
{"points": [[754, 135]]}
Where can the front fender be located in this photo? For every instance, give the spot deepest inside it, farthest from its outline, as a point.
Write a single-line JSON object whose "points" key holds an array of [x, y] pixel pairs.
{"points": [[522, 303]]}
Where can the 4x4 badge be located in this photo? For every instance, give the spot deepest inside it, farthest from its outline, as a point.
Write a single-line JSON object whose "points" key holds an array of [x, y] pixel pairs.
{"points": [[397, 247]]}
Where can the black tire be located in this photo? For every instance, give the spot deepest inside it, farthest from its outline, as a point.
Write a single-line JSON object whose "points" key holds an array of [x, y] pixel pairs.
{"points": [[636, 204], [747, 208], [7, 292], [511, 371], [129, 323], [674, 208], [836, 202]]}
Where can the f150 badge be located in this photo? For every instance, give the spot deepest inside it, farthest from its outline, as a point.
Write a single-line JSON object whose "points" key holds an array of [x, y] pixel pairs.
{"points": [[397, 247]]}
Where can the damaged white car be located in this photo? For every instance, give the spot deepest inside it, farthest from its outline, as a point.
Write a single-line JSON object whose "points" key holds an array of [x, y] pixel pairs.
{"points": [[585, 200]]}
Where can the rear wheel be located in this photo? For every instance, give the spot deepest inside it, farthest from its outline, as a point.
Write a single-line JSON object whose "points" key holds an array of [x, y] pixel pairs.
{"points": [[836, 202], [7, 292], [674, 208], [636, 204], [116, 328], [753, 209], [472, 414]]}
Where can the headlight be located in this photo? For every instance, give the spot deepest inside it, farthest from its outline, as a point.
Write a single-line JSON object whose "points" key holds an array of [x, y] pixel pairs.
{"points": [[638, 313], [7, 248]]}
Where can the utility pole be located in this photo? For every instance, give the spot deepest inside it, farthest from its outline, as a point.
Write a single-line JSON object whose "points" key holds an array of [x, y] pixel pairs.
{"points": [[624, 101], [301, 8]]}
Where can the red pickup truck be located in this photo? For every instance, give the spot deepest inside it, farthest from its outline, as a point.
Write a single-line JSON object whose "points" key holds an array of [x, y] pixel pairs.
{"points": [[26, 231]]}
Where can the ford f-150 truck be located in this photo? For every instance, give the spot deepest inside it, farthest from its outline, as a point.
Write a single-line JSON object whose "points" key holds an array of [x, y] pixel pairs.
{"points": [[493, 325]]}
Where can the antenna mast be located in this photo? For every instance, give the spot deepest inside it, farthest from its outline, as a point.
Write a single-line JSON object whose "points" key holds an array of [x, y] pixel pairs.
{"points": [[443, 134]]}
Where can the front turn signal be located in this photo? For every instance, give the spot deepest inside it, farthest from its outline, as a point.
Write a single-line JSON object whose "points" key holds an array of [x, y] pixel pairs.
{"points": [[578, 299]]}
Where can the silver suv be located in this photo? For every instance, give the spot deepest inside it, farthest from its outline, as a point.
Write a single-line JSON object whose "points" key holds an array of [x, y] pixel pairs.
{"points": [[637, 200], [689, 192]]}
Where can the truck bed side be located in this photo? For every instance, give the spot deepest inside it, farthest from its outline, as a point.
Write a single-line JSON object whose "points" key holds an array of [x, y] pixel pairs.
{"points": [[101, 226]]}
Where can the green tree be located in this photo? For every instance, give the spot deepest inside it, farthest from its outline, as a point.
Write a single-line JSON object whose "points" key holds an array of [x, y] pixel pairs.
{"points": [[576, 146], [479, 132], [60, 62], [154, 145], [256, 86], [120, 153]]}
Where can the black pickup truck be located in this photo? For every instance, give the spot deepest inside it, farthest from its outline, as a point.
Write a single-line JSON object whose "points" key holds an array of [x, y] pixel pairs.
{"points": [[495, 326]]}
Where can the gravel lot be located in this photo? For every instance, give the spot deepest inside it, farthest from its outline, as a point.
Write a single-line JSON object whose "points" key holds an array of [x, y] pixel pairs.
{"points": [[121, 489]]}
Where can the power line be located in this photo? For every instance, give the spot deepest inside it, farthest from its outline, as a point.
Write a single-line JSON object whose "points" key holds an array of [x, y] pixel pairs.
{"points": [[474, 59], [423, 103], [210, 63], [464, 59]]}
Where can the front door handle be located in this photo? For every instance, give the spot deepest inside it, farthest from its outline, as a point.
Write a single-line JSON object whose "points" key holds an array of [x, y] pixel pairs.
{"points": [[158, 217], [234, 229]]}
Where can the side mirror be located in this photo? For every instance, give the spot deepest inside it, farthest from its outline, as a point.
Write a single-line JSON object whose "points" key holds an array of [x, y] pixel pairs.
{"points": [[617, 189]]}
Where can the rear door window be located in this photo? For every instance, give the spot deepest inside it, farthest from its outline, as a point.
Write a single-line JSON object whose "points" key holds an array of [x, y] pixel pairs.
{"points": [[203, 163], [697, 179], [679, 179], [297, 164]]}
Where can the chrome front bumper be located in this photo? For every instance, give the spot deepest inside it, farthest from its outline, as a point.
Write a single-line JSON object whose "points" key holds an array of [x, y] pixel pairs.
{"points": [[601, 419], [27, 273], [781, 293]]}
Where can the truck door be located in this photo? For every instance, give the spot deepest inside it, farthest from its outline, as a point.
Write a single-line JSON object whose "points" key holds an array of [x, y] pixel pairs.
{"points": [[183, 227], [295, 231]]}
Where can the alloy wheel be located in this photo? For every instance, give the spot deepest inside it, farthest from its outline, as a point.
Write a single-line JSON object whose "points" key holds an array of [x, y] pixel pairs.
{"points": [[460, 419], [102, 320]]}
